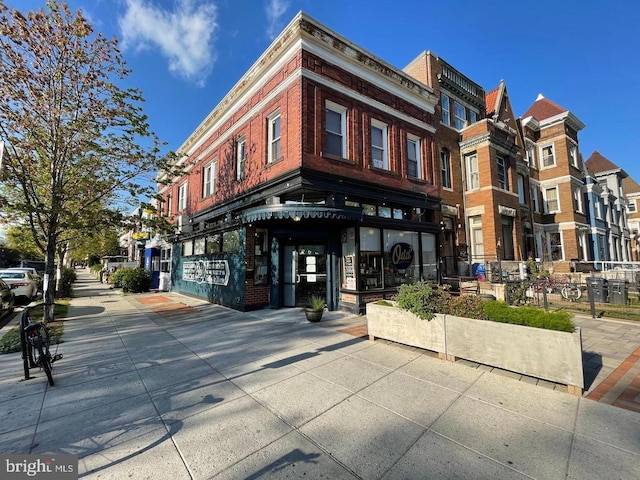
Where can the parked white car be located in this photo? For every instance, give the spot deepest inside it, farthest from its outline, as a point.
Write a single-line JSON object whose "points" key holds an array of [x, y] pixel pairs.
{"points": [[32, 271], [23, 284]]}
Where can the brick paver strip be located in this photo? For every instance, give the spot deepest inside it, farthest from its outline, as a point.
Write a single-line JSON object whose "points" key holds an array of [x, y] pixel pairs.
{"points": [[611, 381], [154, 300], [357, 331]]}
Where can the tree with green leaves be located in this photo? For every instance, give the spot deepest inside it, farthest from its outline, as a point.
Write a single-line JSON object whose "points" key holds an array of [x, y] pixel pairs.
{"points": [[75, 141]]}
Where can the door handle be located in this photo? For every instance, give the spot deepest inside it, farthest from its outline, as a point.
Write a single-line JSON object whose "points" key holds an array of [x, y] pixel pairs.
{"points": [[298, 278]]}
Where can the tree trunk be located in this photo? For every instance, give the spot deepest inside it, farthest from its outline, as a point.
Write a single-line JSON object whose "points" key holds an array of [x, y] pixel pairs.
{"points": [[50, 282]]}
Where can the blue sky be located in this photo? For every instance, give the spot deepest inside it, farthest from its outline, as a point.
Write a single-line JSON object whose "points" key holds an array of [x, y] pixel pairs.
{"points": [[583, 55]]}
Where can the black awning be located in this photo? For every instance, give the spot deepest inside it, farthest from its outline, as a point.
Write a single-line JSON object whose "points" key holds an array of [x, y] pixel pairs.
{"points": [[298, 212]]}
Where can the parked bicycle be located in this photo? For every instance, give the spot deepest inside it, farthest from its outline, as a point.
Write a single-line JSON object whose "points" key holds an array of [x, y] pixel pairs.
{"points": [[36, 345], [568, 290]]}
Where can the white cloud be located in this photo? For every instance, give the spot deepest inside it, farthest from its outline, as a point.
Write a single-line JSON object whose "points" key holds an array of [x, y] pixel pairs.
{"points": [[275, 9], [184, 36]]}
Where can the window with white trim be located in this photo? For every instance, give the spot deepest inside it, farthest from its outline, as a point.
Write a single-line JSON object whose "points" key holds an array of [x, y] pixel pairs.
{"points": [[379, 146], [446, 168], [241, 157], [477, 240], [531, 155], [335, 129], [551, 202], [208, 179], [632, 206], [503, 174], [577, 198], [473, 174], [414, 165], [182, 197], [460, 114], [446, 109], [548, 156], [598, 203], [473, 117], [573, 155], [274, 137], [169, 204], [521, 195], [534, 198]]}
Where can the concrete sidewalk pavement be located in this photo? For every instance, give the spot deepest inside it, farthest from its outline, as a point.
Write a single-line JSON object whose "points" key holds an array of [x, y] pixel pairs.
{"points": [[166, 386]]}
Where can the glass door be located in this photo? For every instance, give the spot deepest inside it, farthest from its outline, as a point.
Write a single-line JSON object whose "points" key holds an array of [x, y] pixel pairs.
{"points": [[304, 274], [312, 273]]}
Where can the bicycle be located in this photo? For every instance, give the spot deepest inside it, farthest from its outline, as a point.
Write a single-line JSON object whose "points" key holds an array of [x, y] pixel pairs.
{"points": [[36, 344]]}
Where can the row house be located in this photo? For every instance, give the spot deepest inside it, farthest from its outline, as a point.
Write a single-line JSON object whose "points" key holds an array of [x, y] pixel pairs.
{"points": [[617, 236], [317, 174], [552, 150], [632, 192]]}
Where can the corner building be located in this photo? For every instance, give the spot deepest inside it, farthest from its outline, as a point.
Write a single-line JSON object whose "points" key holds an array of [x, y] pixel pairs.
{"points": [[316, 174]]}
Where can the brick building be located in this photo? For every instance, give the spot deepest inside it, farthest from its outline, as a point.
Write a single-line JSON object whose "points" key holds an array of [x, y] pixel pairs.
{"points": [[317, 174]]}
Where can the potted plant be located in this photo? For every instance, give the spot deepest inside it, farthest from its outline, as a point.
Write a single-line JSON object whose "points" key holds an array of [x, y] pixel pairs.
{"points": [[315, 309]]}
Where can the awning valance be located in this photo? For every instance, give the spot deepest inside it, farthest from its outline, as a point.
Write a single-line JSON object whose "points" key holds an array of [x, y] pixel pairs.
{"points": [[298, 212]]}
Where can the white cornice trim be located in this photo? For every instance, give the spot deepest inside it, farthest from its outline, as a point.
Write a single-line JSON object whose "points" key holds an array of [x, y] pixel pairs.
{"points": [[566, 116], [559, 180]]}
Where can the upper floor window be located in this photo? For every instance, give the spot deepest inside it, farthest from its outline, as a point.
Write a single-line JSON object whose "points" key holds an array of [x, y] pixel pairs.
{"points": [[241, 157], [473, 117], [632, 206], [473, 174], [548, 157], [169, 204], [275, 147], [446, 110], [460, 114], [521, 195], [182, 197], [531, 156], [446, 168], [414, 167], [209, 179], [379, 147], [336, 129], [577, 198], [598, 203], [551, 202], [534, 198], [503, 174], [573, 155]]}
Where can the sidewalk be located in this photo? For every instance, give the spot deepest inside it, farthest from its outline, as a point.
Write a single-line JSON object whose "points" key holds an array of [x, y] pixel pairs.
{"points": [[166, 386]]}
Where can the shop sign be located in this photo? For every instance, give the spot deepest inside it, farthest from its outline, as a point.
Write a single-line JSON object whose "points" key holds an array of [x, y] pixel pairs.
{"points": [[401, 255], [506, 211], [213, 272]]}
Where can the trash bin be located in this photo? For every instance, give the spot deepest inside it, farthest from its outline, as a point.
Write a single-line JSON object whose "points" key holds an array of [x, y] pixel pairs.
{"points": [[597, 288], [618, 292], [479, 271]]}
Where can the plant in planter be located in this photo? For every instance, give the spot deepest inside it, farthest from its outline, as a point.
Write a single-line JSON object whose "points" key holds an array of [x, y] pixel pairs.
{"points": [[315, 309]]}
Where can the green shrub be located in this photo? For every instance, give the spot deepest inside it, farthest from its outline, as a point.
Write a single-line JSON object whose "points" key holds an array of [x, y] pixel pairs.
{"points": [[529, 316], [384, 303], [471, 306], [117, 277], [135, 280], [416, 298], [66, 282]]}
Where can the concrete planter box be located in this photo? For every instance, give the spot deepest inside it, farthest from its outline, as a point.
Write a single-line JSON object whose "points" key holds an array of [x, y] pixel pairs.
{"points": [[536, 352]]}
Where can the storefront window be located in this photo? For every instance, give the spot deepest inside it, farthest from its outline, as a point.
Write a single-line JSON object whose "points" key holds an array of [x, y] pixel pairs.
{"points": [[369, 210], [165, 259], [384, 212], [349, 259], [231, 241], [401, 260], [429, 263], [213, 244], [370, 259], [187, 248], [198, 246]]}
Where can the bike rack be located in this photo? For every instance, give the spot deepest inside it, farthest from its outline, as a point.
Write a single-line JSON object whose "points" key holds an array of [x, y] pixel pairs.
{"points": [[23, 343]]}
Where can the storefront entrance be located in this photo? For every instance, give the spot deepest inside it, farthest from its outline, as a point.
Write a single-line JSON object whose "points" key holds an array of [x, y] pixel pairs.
{"points": [[305, 273]]}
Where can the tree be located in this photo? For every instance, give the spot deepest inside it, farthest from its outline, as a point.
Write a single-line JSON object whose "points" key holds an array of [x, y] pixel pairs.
{"points": [[20, 239], [74, 140]]}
